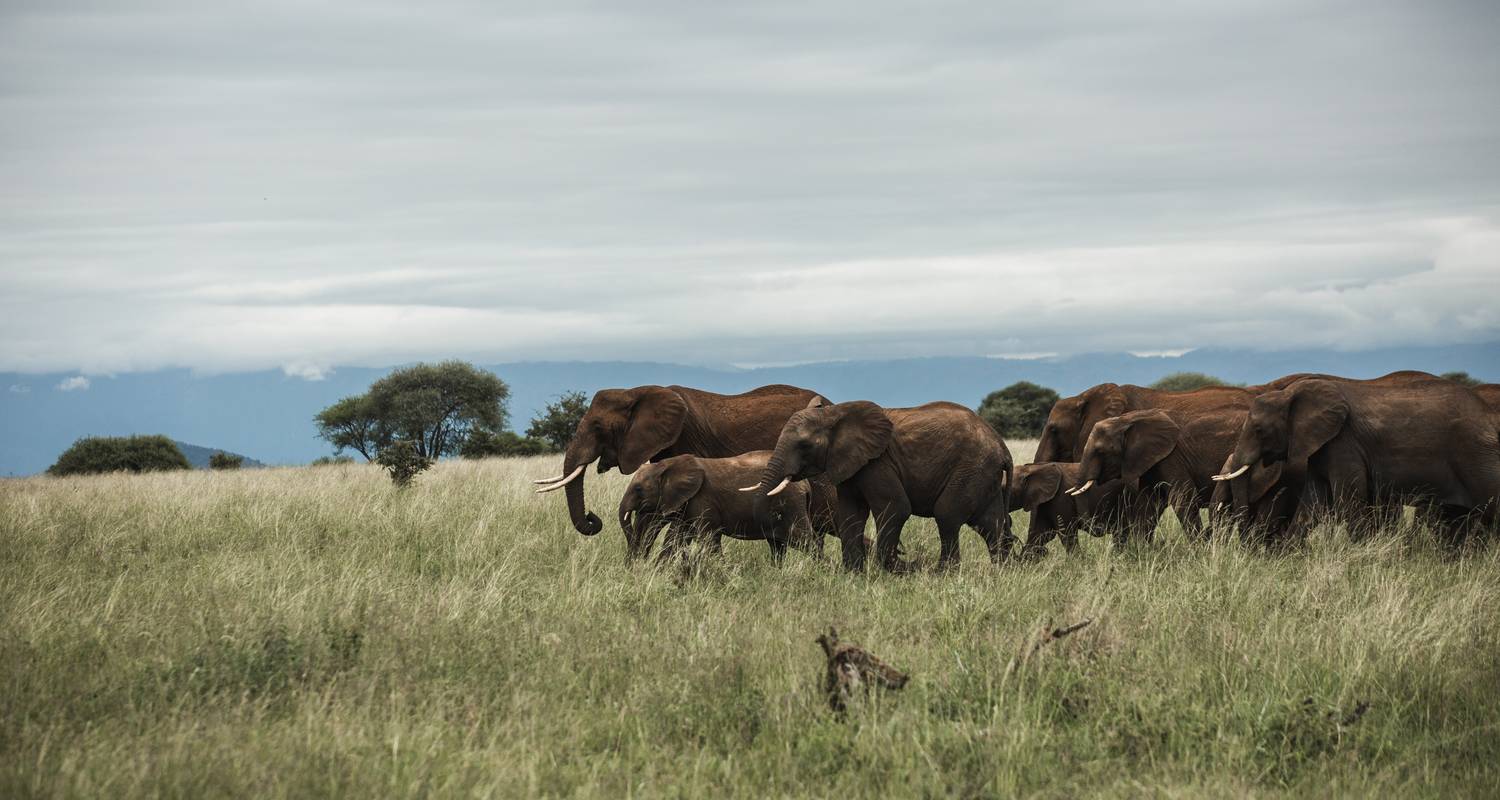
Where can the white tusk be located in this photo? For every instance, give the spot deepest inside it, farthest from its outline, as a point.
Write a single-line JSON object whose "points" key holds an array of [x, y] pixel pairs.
{"points": [[1231, 476], [779, 487], [564, 482], [749, 488], [1081, 489], [548, 480]]}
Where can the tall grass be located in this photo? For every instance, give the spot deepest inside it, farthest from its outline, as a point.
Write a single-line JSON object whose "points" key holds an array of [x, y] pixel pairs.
{"points": [[295, 632]]}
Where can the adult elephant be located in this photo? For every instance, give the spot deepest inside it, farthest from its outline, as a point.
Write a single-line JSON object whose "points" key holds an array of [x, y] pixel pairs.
{"points": [[1072, 419], [1267, 498], [938, 460], [626, 428], [1374, 443]]}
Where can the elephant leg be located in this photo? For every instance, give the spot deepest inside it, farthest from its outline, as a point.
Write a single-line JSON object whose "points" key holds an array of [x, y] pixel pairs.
{"points": [[1038, 536], [1070, 539], [853, 512], [778, 549], [889, 521], [1453, 525], [948, 530], [672, 540]]}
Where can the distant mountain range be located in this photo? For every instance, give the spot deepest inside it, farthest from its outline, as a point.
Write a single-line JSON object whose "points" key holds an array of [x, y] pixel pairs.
{"points": [[270, 414], [199, 456]]}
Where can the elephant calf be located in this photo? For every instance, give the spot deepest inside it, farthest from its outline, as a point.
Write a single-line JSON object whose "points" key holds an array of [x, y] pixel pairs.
{"points": [[692, 495], [1042, 489]]}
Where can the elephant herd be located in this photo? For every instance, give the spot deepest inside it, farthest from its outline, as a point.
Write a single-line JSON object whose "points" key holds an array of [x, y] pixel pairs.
{"points": [[784, 465]]}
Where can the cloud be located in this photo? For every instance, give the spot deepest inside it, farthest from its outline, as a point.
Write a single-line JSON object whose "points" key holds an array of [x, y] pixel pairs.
{"points": [[306, 371], [20, 388], [278, 187], [77, 383]]}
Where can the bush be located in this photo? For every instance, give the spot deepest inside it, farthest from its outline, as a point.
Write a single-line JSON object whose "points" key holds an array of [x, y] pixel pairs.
{"points": [[1462, 378], [222, 460], [1186, 382], [329, 461], [556, 423], [1019, 410], [95, 454], [505, 444], [403, 461]]}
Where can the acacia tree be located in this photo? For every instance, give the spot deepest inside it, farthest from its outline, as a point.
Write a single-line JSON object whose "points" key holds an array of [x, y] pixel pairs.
{"points": [[435, 407], [351, 424]]}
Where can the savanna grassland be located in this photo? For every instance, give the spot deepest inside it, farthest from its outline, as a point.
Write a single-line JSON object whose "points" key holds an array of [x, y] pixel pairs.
{"points": [[314, 631]]}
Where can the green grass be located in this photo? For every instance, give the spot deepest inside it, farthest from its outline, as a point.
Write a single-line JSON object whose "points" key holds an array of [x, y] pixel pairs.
{"points": [[296, 632]]}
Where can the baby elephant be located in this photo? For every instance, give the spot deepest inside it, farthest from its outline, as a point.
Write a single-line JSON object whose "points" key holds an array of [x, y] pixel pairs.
{"points": [[1042, 489], [692, 495]]}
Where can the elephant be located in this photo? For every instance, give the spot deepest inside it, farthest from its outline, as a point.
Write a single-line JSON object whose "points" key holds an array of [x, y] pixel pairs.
{"points": [[1159, 462], [1041, 489], [937, 460], [693, 494], [626, 428], [1372, 444], [1261, 495], [1072, 419]]}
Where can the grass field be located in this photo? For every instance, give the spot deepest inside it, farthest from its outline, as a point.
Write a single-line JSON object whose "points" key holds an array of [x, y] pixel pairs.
{"points": [[297, 632]]}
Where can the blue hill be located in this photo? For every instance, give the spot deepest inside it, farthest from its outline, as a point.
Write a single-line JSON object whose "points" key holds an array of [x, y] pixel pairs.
{"points": [[270, 414]]}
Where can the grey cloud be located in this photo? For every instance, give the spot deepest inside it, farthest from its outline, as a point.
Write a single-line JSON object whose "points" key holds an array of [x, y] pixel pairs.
{"points": [[362, 184]]}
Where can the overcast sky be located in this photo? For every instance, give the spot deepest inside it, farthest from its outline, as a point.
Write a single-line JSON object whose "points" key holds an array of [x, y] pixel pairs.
{"points": [[305, 185]]}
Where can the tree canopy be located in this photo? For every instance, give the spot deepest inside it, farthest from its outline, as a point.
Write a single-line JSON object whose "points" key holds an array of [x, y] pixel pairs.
{"points": [[1186, 382], [436, 407], [557, 423], [1019, 410], [93, 454]]}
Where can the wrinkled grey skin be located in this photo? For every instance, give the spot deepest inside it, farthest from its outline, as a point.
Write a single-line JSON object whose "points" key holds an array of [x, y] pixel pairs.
{"points": [[938, 460], [691, 496]]}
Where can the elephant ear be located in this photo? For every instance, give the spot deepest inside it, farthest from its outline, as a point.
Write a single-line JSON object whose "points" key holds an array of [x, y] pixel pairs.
{"points": [[860, 434], [1263, 480], [1317, 415], [1149, 438], [1038, 484], [817, 401], [656, 418], [680, 482]]}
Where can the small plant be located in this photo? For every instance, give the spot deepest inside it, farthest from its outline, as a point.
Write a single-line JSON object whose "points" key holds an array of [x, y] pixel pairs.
{"points": [[403, 461], [331, 461], [222, 460]]}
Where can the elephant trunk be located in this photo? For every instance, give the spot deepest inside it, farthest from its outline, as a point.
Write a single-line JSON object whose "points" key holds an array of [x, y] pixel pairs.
{"points": [[580, 455]]}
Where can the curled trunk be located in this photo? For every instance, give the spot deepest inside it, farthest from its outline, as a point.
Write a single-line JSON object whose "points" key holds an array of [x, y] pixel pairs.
{"points": [[584, 521]]}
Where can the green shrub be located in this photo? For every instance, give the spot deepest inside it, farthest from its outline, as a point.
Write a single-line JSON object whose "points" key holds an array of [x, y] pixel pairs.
{"points": [[556, 423], [95, 454], [1186, 382], [1461, 377], [328, 461], [1019, 410], [504, 444], [402, 459], [222, 460]]}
